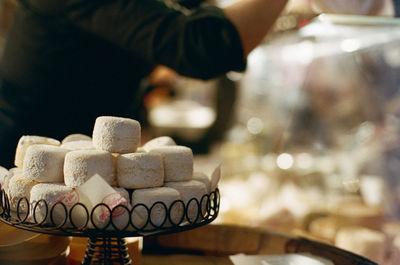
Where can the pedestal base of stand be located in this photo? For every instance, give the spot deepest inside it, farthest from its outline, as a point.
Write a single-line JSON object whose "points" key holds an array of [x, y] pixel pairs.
{"points": [[106, 251], [106, 247]]}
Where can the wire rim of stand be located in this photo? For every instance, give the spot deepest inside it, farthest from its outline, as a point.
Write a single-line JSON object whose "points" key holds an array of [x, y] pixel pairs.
{"points": [[119, 221]]}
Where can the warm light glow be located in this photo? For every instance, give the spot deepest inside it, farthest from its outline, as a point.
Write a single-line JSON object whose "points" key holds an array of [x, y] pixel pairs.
{"points": [[268, 162], [302, 53], [284, 161], [182, 114], [225, 206], [255, 125], [304, 161], [326, 165], [351, 185], [350, 45]]}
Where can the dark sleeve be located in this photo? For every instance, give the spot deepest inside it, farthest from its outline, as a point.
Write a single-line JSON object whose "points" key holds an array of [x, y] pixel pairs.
{"points": [[202, 44], [396, 8]]}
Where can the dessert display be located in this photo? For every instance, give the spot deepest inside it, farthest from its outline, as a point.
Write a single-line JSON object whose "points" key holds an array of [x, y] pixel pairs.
{"points": [[28, 140], [108, 180], [44, 163], [132, 167], [80, 165], [149, 197], [4, 174], [189, 190], [76, 137], [78, 145], [116, 135], [178, 162], [51, 192], [19, 187]]}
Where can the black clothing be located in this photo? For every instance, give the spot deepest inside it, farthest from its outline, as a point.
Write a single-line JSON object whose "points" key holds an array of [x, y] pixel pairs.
{"points": [[396, 4], [68, 61]]}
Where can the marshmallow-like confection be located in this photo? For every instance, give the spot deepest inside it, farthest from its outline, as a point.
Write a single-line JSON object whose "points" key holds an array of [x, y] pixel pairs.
{"points": [[190, 190], [116, 135], [150, 197], [140, 150], [123, 192], [178, 162], [202, 177], [13, 171], [28, 140], [76, 137], [140, 170], [157, 142], [362, 241], [4, 175], [78, 145], [115, 156], [52, 193], [80, 165], [44, 163], [20, 187]]}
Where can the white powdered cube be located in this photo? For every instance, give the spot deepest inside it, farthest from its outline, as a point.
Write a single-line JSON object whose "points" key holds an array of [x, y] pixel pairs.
{"points": [[116, 135], [56, 195], [140, 170], [157, 142], [115, 156], [78, 145], [76, 137], [362, 241], [80, 165], [178, 162], [192, 193], [4, 175], [140, 150], [28, 140], [155, 199], [13, 171], [202, 177], [19, 187], [44, 163], [123, 192]]}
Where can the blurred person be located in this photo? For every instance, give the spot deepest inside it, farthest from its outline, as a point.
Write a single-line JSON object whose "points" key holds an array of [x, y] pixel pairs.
{"points": [[396, 4], [66, 62]]}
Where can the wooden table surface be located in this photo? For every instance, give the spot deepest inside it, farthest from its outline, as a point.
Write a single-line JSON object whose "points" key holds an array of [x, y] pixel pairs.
{"points": [[185, 260], [213, 244]]}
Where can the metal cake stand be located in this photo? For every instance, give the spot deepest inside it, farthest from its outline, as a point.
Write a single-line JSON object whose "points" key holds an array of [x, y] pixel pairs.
{"points": [[106, 243]]}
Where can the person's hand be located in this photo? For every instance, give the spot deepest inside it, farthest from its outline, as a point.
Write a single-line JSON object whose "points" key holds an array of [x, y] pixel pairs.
{"points": [[162, 76], [356, 7]]}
